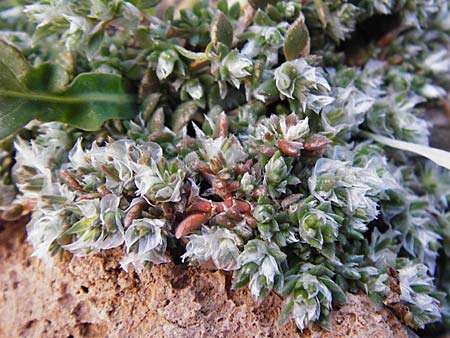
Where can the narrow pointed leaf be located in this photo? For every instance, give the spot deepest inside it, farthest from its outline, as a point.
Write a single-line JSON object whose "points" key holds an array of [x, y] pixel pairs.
{"points": [[438, 156], [321, 12], [286, 312]]}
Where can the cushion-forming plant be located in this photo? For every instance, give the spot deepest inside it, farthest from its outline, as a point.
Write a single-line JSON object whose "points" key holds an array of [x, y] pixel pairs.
{"points": [[277, 140]]}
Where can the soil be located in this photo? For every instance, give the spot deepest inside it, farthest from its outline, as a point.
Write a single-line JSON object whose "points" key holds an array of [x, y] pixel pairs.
{"points": [[94, 297]]}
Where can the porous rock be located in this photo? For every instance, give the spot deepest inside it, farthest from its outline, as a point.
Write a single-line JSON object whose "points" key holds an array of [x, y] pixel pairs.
{"points": [[93, 297]]}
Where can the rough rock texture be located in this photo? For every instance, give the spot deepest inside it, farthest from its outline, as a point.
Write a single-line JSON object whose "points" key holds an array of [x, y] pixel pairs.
{"points": [[93, 297]]}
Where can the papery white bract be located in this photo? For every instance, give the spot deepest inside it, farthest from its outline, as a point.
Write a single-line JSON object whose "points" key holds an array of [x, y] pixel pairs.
{"points": [[218, 244]]}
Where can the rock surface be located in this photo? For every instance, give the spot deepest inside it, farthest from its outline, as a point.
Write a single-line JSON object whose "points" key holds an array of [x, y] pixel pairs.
{"points": [[93, 297]]}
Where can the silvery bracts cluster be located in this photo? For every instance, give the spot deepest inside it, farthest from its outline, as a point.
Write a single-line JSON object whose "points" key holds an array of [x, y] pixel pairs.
{"points": [[249, 152]]}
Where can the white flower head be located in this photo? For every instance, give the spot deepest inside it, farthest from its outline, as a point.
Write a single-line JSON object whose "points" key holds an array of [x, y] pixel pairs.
{"points": [[145, 241], [235, 67], [218, 244]]}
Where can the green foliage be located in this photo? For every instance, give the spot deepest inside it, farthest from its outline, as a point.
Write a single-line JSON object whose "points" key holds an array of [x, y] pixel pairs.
{"points": [[41, 93], [297, 40]]}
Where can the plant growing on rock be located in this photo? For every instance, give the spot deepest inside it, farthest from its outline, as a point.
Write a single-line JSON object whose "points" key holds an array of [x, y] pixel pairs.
{"points": [[261, 139]]}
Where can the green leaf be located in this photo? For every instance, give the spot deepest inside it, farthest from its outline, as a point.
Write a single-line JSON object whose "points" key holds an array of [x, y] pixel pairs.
{"points": [[95, 40], [288, 287], [169, 13], [157, 120], [321, 12], [235, 11], [221, 30], [438, 156], [47, 77], [223, 6], [240, 280], [27, 93], [12, 59], [297, 40], [261, 18], [339, 297], [192, 55], [149, 105], [90, 100], [183, 115], [267, 91], [261, 3], [145, 4], [286, 312]]}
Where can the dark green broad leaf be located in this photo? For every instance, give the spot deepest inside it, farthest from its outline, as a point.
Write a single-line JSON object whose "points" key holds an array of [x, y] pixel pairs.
{"points": [[42, 93], [221, 30], [297, 40]]}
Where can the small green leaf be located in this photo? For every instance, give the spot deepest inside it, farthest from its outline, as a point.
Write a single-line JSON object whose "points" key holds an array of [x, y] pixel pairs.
{"points": [[267, 91], [288, 287], [149, 105], [95, 40], [321, 10], [222, 5], [169, 13], [261, 18], [256, 4], [273, 13], [297, 40], [145, 4], [240, 281], [183, 115], [221, 30], [339, 297], [235, 11], [192, 55], [157, 120], [40, 93], [286, 312], [80, 226]]}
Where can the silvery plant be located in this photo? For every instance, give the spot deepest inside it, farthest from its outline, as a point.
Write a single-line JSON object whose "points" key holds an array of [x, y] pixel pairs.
{"points": [[265, 139]]}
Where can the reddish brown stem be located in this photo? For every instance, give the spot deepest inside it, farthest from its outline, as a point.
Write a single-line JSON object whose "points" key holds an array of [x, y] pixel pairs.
{"points": [[133, 213], [70, 180], [190, 223], [222, 125], [200, 205]]}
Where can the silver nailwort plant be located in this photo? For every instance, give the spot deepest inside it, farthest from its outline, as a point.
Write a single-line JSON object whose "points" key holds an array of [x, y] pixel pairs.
{"points": [[280, 141]]}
